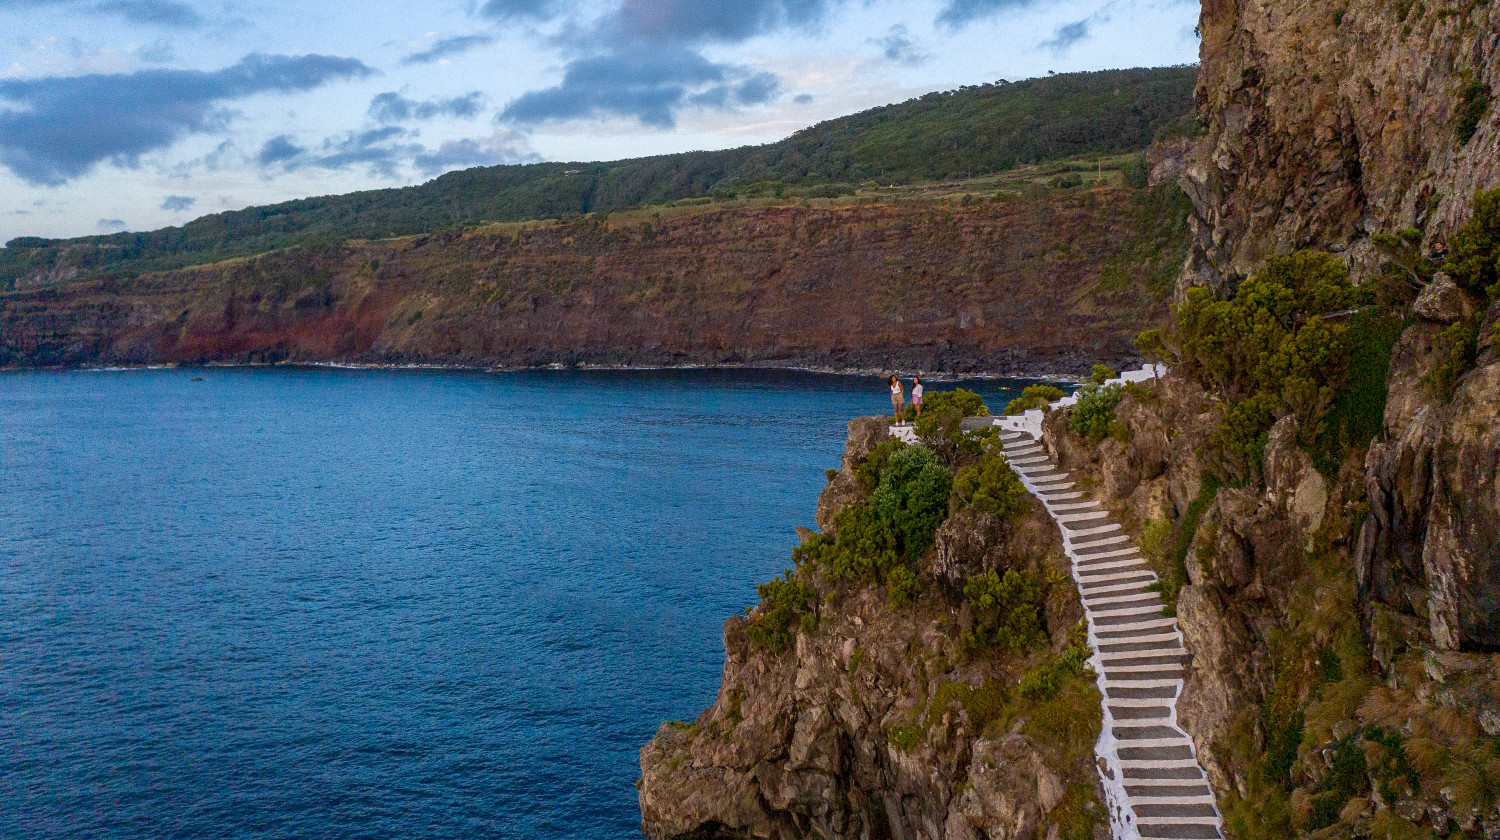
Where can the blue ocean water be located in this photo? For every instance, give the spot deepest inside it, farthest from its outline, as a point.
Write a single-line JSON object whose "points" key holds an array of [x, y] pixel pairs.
{"points": [[341, 604]]}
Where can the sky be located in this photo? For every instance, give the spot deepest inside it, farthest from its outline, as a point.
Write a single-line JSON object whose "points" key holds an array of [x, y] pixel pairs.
{"points": [[140, 114]]}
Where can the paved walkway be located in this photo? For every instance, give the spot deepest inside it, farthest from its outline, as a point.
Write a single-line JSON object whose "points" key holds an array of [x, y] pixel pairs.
{"points": [[1153, 780]]}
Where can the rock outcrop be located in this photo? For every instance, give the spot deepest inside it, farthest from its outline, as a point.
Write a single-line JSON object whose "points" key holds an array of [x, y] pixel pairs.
{"points": [[1328, 121], [877, 722]]}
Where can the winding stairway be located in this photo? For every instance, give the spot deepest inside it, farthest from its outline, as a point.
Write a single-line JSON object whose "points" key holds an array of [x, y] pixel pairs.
{"points": [[1150, 770]]}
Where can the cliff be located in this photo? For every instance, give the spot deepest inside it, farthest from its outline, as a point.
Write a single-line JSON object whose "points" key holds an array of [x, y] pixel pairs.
{"points": [[1317, 483], [1046, 282], [895, 715], [1328, 121]]}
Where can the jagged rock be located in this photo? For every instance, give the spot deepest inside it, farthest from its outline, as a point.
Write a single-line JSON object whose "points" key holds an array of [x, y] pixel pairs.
{"points": [[865, 433], [1292, 482], [1443, 301]]}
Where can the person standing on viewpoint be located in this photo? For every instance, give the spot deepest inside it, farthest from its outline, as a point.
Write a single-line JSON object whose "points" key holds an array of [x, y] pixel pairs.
{"points": [[916, 394], [898, 399]]}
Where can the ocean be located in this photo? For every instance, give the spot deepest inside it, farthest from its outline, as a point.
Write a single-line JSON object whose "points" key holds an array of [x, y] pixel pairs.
{"points": [[316, 603]]}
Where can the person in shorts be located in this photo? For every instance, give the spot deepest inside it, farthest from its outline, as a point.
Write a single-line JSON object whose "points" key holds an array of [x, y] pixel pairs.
{"points": [[916, 394], [898, 399]]}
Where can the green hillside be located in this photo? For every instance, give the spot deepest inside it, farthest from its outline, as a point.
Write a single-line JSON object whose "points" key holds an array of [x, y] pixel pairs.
{"points": [[964, 133]]}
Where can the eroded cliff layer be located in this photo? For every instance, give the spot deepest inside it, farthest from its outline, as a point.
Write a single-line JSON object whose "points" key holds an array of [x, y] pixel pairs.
{"points": [[1042, 283]]}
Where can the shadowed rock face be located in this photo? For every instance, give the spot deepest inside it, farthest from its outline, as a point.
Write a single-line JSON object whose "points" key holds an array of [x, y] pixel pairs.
{"points": [[1328, 121], [993, 286]]}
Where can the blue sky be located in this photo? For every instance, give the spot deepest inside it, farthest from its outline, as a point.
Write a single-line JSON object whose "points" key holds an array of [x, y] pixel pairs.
{"points": [[137, 114]]}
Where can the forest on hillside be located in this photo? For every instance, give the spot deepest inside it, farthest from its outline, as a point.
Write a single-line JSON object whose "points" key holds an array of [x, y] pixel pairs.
{"points": [[963, 133]]}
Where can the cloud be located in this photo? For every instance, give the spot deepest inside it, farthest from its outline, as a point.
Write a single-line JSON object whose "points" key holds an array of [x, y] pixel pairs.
{"points": [[111, 224], [899, 47], [500, 147], [713, 20], [392, 107], [803, 98], [159, 52], [960, 13], [57, 128], [279, 149], [647, 85], [1066, 36], [511, 9], [178, 203], [448, 46], [152, 12]]}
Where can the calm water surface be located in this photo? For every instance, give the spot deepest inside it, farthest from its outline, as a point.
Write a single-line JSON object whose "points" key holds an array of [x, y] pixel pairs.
{"points": [[340, 604]]}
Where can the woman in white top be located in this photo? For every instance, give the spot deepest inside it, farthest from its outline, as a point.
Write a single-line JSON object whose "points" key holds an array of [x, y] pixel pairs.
{"points": [[898, 399], [916, 394]]}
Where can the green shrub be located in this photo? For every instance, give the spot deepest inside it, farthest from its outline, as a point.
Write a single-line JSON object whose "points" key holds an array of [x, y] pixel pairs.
{"points": [[1095, 411], [1474, 259], [1102, 374], [902, 587], [986, 705], [1153, 346], [1358, 412], [1034, 397], [1458, 347], [869, 470], [992, 486], [897, 523], [1270, 352], [913, 497], [965, 402], [1043, 680], [1473, 104], [786, 604], [1007, 609]]}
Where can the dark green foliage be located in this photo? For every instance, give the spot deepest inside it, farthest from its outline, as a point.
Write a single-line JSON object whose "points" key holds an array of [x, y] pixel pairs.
{"points": [[1102, 374], [866, 549], [913, 497], [902, 587], [941, 423], [909, 501], [1358, 412], [786, 605], [1138, 172], [1044, 679], [1170, 585], [1007, 610], [1095, 411], [1151, 345], [1236, 448], [1474, 256], [1281, 720], [992, 486], [1270, 352], [1034, 397], [969, 132], [962, 400], [1406, 269], [873, 466], [1458, 347], [1346, 778], [1473, 104]]}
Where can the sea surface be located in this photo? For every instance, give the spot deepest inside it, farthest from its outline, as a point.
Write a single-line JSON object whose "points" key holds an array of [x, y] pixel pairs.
{"points": [[312, 603]]}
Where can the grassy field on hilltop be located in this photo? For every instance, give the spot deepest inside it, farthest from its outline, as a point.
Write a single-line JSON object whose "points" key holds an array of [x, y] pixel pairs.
{"points": [[965, 135]]}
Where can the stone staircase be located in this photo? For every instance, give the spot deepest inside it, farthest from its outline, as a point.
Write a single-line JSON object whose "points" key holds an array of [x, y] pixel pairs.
{"points": [[1151, 774]]}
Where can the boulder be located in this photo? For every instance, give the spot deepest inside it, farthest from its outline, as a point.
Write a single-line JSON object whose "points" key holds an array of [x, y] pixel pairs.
{"points": [[1443, 302]]}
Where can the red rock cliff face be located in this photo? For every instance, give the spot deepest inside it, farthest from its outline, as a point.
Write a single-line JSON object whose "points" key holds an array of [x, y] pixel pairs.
{"points": [[1011, 286], [1328, 121]]}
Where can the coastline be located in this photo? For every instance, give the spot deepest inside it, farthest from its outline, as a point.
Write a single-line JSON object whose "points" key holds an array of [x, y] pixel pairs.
{"points": [[935, 376]]}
